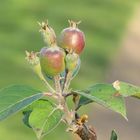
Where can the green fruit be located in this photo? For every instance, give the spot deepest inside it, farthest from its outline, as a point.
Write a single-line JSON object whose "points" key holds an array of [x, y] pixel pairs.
{"points": [[34, 61], [71, 61], [52, 61]]}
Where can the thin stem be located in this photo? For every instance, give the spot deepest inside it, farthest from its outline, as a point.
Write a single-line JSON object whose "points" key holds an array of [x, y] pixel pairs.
{"points": [[57, 84], [68, 115], [62, 101], [63, 84], [67, 82], [48, 85]]}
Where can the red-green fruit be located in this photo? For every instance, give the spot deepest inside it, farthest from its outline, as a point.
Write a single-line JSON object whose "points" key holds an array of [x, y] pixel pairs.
{"points": [[71, 61], [72, 39], [52, 61]]}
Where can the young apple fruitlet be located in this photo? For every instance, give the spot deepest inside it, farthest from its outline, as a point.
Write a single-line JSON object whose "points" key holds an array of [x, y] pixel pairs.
{"points": [[71, 61], [72, 39], [48, 33], [52, 61]]}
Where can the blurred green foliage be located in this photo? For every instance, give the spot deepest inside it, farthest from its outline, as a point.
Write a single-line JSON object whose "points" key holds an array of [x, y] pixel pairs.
{"points": [[103, 22]]}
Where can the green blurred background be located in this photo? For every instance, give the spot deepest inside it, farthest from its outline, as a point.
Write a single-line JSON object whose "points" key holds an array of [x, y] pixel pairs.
{"points": [[103, 21]]}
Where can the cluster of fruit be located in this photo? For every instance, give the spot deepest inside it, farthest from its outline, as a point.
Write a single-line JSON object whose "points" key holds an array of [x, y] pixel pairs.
{"points": [[60, 59], [64, 55]]}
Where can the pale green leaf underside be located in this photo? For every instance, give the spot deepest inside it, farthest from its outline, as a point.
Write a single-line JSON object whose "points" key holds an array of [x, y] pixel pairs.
{"points": [[103, 94], [16, 97], [44, 117]]}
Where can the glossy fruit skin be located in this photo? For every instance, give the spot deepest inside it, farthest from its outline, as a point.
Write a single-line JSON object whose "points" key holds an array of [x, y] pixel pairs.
{"points": [[71, 61], [52, 61], [72, 40]]}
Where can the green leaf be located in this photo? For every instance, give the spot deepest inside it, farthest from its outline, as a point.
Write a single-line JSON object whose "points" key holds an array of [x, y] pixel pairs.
{"points": [[16, 97], [44, 117], [103, 94], [113, 135], [126, 89]]}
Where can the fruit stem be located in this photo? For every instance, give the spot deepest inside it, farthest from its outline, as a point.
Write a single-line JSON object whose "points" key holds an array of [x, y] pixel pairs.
{"points": [[48, 85], [68, 115], [57, 84], [67, 82]]}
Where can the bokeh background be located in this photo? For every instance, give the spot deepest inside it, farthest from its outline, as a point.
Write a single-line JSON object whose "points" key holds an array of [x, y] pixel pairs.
{"points": [[112, 52]]}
